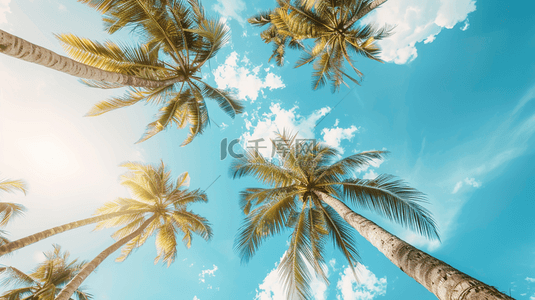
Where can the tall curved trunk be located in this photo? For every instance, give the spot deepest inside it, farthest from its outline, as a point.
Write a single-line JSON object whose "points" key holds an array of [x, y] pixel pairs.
{"points": [[446, 282], [23, 242], [69, 289], [364, 12], [22, 49]]}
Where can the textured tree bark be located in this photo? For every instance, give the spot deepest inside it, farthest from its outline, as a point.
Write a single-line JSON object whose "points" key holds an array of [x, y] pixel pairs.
{"points": [[75, 283], [23, 242], [22, 49], [446, 282], [364, 12]]}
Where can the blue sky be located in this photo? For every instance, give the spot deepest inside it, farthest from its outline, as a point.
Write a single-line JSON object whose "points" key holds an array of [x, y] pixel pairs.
{"points": [[454, 104]]}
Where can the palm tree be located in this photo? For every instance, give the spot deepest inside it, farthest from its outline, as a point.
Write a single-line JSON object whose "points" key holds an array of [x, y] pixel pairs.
{"points": [[167, 215], [19, 48], [46, 280], [176, 40], [331, 25], [308, 194], [9, 210]]}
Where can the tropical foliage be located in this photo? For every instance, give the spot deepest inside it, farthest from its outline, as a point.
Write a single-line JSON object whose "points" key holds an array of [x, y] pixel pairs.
{"points": [[9, 210], [176, 40], [334, 32], [292, 202], [159, 196], [161, 209], [45, 281]]}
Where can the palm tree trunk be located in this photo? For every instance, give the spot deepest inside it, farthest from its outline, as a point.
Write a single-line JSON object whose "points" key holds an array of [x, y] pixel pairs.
{"points": [[69, 289], [23, 242], [364, 12], [446, 282], [22, 49]]}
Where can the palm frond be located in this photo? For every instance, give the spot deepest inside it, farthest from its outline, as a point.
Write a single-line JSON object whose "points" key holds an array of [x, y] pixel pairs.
{"points": [[193, 222], [8, 211], [166, 243], [293, 270], [10, 186], [260, 19], [394, 199], [227, 101], [167, 115], [261, 223]]}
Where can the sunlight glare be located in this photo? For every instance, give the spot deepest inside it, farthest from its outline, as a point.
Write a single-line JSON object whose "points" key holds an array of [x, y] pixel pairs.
{"points": [[49, 156]]}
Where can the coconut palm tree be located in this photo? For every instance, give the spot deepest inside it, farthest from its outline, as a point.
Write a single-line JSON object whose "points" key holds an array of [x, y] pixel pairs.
{"points": [[46, 280], [334, 30], [9, 210], [166, 217], [309, 193], [176, 40]]}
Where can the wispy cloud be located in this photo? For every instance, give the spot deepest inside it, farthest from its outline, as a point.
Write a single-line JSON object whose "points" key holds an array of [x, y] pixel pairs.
{"points": [[417, 21], [207, 273], [529, 279], [4, 10], [369, 286], [477, 160], [246, 80], [468, 181], [231, 9]]}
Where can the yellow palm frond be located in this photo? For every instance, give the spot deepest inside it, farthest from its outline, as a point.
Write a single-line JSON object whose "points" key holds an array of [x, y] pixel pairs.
{"points": [[9, 185]]}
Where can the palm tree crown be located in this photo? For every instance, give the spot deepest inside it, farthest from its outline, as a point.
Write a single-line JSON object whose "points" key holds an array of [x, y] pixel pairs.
{"points": [[334, 30], [176, 41], [160, 207], [292, 201], [166, 201], [46, 280]]}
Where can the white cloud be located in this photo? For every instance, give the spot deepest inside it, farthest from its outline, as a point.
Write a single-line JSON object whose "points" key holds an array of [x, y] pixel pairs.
{"points": [[332, 263], [231, 9], [370, 175], [334, 136], [369, 286], [62, 7], [421, 242], [430, 39], [529, 279], [466, 25], [532, 297], [207, 272], [468, 181], [279, 119], [417, 21], [195, 298], [245, 78], [4, 10], [271, 288]]}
